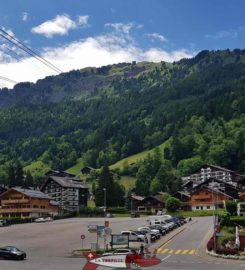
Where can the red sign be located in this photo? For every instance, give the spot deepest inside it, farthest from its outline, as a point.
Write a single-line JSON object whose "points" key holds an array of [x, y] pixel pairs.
{"points": [[82, 236]]}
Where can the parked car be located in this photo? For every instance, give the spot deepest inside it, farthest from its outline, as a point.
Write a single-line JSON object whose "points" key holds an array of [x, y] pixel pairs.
{"points": [[4, 222], [133, 236], [10, 252], [152, 235], [39, 220], [120, 251], [135, 214], [161, 229], [48, 219]]}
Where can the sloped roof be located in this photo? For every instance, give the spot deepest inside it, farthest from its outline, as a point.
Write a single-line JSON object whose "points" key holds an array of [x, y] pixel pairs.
{"points": [[29, 192], [154, 198], [66, 182], [138, 198], [212, 190], [215, 180]]}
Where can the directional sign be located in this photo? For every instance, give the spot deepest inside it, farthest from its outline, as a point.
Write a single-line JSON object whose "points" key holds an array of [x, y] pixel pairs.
{"points": [[92, 228]]}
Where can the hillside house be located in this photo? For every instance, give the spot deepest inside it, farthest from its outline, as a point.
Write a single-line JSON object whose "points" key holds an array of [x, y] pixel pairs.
{"points": [[24, 203], [216, 172], [151, 204], [64, 188]]}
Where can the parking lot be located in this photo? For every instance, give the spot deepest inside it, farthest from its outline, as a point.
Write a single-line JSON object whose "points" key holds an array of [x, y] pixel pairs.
{"points": [[52, 242]]}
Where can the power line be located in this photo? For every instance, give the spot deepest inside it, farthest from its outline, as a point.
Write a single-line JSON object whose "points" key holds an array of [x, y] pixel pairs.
{"points": [[7, 79], [28, 50]]}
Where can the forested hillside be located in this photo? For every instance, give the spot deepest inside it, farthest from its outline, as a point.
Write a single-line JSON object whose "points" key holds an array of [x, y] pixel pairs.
{"points": [[112, 112]]}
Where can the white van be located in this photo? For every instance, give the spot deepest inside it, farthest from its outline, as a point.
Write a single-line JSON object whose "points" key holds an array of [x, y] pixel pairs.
{"points": [[133, 236]]}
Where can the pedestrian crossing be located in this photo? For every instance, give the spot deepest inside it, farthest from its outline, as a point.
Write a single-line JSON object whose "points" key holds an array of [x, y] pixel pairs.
{"points": [[176, 251]]}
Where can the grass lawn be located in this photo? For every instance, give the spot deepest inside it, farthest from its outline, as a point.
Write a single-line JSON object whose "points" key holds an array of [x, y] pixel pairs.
{"points": [[76, 169], [134, 158], [37, 168], [226, 232], [201, 213], [127, 181]]}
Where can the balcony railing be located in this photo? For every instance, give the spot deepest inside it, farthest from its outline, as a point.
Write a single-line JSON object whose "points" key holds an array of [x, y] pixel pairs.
{"points": [[14, 201]]}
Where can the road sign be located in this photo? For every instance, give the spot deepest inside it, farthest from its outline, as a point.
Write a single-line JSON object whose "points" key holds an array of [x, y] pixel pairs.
{"points": [[82, 236], [92, 228], [100, 228]]}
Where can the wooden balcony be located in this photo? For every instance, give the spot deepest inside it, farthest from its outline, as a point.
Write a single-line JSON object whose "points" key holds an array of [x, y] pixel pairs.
{"points": [[14, 201], [24, 210]]}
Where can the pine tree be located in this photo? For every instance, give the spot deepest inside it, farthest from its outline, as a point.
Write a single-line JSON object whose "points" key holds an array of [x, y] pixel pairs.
{"points": [[19, 174], [108, 191], [28, 180], [11, 176]]}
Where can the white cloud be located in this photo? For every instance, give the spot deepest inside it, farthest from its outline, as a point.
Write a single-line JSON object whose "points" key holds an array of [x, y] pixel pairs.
{"points": [[232, 33], [121, 27], [60, 25], [156, 36], [92, 51], [83, 21], [24, 16]]}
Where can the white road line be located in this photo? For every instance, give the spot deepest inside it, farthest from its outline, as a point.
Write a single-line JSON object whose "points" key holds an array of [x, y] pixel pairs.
{"points": [[166, 258]]}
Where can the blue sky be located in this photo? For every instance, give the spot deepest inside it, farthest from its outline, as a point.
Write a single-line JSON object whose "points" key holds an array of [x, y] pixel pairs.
{"points": [[73, 34]]}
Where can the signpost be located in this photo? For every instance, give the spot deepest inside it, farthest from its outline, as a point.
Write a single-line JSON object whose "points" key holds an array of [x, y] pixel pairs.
{"points": [[82, 237]]}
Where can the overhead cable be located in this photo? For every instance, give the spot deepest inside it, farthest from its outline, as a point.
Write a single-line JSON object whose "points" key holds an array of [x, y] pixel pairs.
{"points": [[28, 50]]}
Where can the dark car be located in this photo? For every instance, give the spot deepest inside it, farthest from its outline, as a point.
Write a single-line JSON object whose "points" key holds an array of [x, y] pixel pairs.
{"points": [[12, 253], [135, 214], [4, 222]]}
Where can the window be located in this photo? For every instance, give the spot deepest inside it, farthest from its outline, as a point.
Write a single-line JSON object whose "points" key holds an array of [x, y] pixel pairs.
{"points": [[208, 207], [197, 207]]}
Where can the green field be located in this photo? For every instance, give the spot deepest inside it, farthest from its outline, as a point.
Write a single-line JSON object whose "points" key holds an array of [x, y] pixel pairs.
{"points": [[127, 181], [137, 157], [37, 168], [76, 169]]}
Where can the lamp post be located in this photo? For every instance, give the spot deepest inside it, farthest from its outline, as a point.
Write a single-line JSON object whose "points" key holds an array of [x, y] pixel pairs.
{"points": [[104, 200]]}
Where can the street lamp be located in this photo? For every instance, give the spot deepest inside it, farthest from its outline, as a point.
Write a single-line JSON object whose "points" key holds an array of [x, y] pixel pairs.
{"points": [[104, 200]]}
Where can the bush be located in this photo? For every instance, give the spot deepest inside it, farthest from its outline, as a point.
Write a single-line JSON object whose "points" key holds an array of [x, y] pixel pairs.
{"points": [[231, 207], [172, 204], [117, 210], [210, 244], [89, 211], [225, 218], [226, 251], [238, 221]]}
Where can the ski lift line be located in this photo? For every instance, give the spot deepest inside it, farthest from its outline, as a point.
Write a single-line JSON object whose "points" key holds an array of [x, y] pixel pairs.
{"points": [[20, 45], [17, 57], [30, 50], [7, 79]]}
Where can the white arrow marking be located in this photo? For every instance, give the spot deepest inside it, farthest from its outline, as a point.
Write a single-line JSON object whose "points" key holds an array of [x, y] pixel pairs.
{"points": [[166, 258]]}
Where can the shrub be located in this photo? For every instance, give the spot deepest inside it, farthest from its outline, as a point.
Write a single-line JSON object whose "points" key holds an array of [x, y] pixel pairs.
{"points": [[226, 251], [231, 207], [172, 204], [210, 244], [117, 210], [225, 218], [238, 221]]}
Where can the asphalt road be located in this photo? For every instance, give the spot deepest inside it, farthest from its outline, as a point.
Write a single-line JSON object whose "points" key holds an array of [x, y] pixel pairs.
{"points": [[49, 245]]}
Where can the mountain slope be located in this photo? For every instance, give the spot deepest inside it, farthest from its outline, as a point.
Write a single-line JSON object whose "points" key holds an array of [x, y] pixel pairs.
{"points": [[116, 111]]}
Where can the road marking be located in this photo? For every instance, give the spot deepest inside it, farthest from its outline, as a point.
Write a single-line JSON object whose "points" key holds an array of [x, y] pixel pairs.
{"points": [[176, 251], [166, 258]]}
